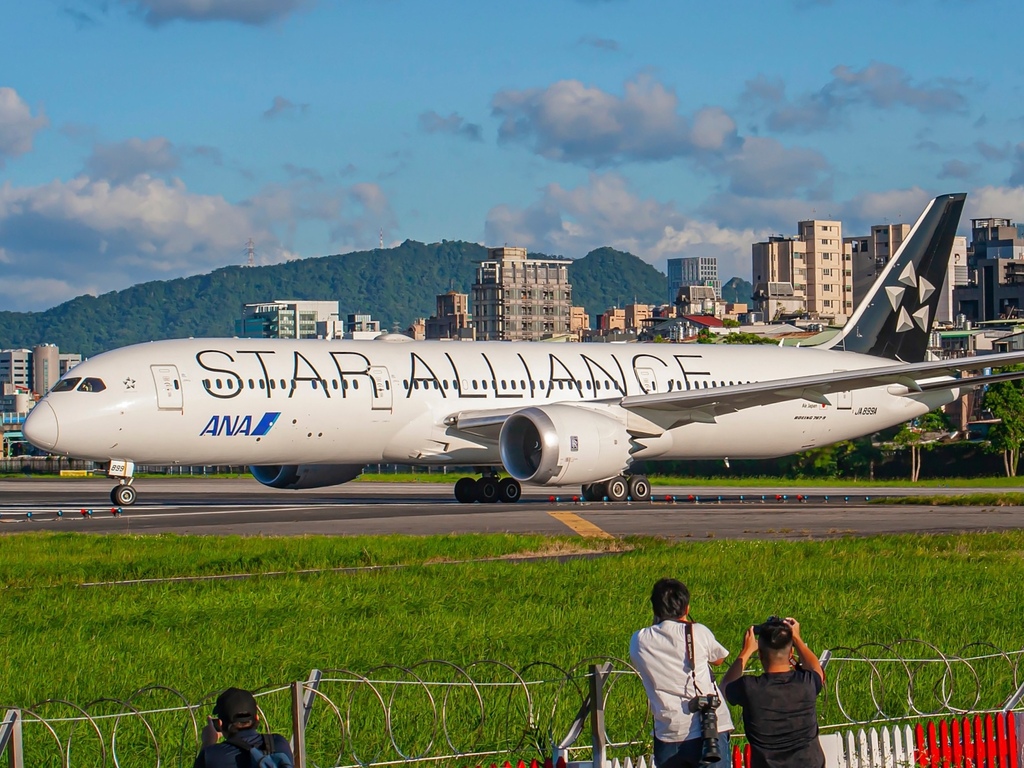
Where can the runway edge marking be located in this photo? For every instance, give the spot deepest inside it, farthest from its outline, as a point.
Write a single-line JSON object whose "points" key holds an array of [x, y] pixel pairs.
{"points": [[584, 528]]}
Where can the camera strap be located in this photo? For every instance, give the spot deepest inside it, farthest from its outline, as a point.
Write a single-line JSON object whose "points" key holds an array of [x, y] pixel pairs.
{"points": [[688, 629]]}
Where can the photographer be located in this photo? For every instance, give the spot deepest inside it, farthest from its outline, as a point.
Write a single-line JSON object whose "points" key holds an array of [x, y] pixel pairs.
{"points": [[779, 714], [691, 722]]}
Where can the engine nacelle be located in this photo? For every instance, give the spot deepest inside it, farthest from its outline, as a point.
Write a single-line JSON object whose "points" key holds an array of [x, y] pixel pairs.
{"points": [[563, 445], [298, 476]]}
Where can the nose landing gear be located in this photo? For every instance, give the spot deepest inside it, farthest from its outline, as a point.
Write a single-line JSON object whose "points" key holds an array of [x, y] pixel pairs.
{"points": [[123, 494]]}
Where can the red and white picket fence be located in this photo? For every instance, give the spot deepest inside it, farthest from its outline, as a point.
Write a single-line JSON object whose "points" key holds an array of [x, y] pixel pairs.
{"points": [[989, 741]]}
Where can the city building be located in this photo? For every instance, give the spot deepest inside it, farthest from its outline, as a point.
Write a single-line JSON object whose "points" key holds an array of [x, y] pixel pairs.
{"points": [[452, 319], [16, 367], [828, 270], [870, 254], [361, 326], [995, 266], [284, 319], [778, 268], [810, 273], [579, 322], [693, 270], [517, 298], [45, 367]]}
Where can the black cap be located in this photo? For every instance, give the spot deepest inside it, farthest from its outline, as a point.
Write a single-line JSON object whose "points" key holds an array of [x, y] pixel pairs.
{"points": [[235, 706]]}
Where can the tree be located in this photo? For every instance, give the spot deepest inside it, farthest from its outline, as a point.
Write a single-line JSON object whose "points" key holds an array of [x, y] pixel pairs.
{"points": [[1005, 399], [920, 435]]}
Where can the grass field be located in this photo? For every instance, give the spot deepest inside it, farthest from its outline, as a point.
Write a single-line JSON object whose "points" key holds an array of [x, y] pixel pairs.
{"points": [[58, 639]]}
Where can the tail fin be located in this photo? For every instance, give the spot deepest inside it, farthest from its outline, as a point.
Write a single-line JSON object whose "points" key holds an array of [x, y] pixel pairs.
{"points": [[895, 317]]}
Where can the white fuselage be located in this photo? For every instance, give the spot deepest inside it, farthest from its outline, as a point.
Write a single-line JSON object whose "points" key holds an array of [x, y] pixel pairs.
{"points": [[265, 402]]}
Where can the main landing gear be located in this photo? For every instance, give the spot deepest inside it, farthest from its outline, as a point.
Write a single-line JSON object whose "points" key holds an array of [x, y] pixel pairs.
{"points": [[123, 494], [488, 489], [633, 488]]}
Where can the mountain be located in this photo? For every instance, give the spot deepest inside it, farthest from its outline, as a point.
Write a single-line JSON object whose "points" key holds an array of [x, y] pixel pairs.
{"points": [[737, 291], [396, 285]]}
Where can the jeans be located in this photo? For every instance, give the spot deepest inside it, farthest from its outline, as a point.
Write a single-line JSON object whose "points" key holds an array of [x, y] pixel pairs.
{"points": [[686, 754]]}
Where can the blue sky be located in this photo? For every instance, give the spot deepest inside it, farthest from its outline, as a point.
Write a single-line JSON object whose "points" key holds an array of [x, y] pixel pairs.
{"points": [[149, 139]]}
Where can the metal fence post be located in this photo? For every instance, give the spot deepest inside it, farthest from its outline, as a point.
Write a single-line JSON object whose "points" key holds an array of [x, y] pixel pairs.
{"points": [[598, 675], [298, 725], [1014, 699], [10, 739]]}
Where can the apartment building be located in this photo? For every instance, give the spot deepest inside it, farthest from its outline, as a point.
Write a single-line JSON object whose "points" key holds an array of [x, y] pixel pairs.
{"points": [[452, 319], [284, 319], [517, 298], [828, 269], [693, 270]]}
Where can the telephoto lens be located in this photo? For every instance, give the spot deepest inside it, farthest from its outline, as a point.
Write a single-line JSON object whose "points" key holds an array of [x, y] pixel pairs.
{"points": [[710, 753]]}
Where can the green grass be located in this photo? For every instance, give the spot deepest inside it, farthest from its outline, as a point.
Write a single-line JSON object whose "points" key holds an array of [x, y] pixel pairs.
{"points": [[1005, 499], [62, 640]]}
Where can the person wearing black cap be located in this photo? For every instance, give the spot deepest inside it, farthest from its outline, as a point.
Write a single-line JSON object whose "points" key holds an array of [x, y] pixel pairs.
{"points": [[235, 718]]}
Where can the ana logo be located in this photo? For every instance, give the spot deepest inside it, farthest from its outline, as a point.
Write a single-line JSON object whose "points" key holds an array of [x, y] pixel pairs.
{"points": [[231, 426]]}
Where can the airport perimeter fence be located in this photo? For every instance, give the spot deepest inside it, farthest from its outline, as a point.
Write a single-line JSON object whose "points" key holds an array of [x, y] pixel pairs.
{"points": [[906, 703]]}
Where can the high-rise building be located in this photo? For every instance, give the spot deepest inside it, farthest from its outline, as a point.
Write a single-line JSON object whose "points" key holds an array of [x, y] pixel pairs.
{"points": [[452, 319], [693, 270], [779, 271], [995, 286], [870, 254], [16, 367], [284, 319], [829, 270], [45, 367], [518, 298]]}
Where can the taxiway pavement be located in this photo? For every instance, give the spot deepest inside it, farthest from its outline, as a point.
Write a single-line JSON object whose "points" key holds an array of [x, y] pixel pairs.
{"points": [[215, 507]]}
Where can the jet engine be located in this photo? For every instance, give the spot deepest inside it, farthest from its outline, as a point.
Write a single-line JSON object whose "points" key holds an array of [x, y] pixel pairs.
{"points": [[563, 445], [298, 476]]}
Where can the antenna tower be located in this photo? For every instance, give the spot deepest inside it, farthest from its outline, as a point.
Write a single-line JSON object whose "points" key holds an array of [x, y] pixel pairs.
{"points": [[250, 253], [382, 238]]}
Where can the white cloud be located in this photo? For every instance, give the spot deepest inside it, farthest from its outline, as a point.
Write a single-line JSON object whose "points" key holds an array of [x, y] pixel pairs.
{"points": [[99, 235], [995, 202], [605, 211], [253, 12], [878, 85], [18, 126], [571, 122], [123, 161], [454, 124]]}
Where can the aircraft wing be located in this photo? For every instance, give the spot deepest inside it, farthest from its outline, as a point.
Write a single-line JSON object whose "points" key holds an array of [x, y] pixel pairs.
{"points": [[705, 404]]}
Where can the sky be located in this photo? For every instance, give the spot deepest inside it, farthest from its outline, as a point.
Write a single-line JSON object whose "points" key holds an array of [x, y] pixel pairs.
{"points": [[151, 139]]}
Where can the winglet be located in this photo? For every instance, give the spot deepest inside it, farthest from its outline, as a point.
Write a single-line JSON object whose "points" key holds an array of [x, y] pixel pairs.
{"points": [[896, 316]]}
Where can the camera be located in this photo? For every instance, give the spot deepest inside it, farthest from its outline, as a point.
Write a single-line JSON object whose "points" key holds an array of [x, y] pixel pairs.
{"points": [[706, 706], [770, 623]]}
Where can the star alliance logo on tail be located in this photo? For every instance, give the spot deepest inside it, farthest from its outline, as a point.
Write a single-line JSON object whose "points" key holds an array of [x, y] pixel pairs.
{"points": [[911, 280], [232, 426]]}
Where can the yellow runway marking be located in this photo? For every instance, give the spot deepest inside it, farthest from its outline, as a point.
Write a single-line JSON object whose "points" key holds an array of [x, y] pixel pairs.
{"points": [[584, 528]]}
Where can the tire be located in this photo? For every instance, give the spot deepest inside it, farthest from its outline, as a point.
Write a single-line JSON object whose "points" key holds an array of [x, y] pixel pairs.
{"points": [[588, 493], [487, 490], [509, 490], [616, 489], [123, 495], [639, 488], [465, 490]]}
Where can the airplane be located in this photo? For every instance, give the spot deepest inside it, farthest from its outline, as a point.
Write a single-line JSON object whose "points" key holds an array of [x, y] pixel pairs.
{"points": [[313, 413]]}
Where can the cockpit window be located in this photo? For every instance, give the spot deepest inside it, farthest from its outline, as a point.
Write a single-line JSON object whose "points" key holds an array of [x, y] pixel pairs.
{"points": [[92, 385], [65, 385]]}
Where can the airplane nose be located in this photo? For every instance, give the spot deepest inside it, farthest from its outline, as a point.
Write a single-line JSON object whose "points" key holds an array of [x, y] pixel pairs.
{"points": [[41, 426]]}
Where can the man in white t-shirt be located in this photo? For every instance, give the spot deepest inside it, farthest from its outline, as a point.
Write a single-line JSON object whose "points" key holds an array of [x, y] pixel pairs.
{"points": [[674, 679]]}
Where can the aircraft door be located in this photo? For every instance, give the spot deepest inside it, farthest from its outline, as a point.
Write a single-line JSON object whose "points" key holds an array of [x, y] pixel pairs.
{"points": [[382, 396], [844, 400], [168, 387], [648, 382]]}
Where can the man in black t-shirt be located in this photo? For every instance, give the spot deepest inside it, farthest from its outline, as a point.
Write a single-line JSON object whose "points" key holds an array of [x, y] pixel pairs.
{"points": [[779, 715]]}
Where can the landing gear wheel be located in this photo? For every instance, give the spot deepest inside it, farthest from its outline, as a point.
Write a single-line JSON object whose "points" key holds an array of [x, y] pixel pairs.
{"points": [[123, 495], [487, 490], [593, 492], [617, 489], [509, 490], [465, 490], [639, 488]]}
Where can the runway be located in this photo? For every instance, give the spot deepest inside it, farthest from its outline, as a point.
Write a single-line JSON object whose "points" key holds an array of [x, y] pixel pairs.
{"points": [[216, 507]]}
